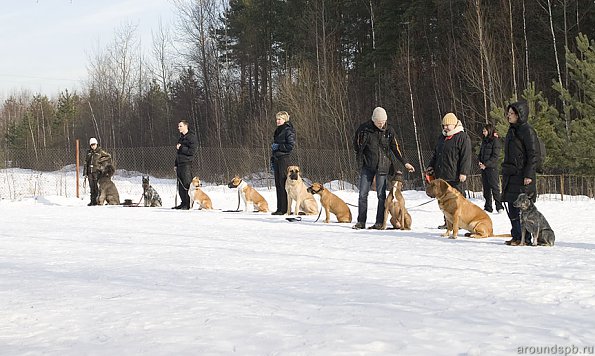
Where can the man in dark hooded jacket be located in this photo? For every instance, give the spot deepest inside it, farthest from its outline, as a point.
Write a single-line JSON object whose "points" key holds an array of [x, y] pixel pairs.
{"points": [[377, 151], [518, 167], [185, 149]]}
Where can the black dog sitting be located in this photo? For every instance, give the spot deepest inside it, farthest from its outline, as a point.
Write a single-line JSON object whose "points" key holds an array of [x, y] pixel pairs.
{"points": [[534, 222]]}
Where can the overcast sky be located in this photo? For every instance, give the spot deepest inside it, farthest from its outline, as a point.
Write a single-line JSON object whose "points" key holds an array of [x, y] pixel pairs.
{"points": [[46, 44]]}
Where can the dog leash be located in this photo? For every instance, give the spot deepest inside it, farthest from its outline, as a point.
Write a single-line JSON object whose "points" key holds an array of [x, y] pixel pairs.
{"points": [[429, 201], [320, 213]]}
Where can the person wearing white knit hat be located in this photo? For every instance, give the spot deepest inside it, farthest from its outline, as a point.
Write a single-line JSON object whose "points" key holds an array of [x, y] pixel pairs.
{"points": [[96, 160], [377, 154]]}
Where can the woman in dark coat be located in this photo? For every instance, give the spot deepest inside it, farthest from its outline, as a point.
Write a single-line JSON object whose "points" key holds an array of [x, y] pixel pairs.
{"points": [[282, 148], [518, 167], [489, 154]]}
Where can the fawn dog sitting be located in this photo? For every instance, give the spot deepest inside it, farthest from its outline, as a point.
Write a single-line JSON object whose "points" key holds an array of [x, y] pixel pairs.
{"points": [[331, 204], [249, 195], [395, 205], [203, 200]]}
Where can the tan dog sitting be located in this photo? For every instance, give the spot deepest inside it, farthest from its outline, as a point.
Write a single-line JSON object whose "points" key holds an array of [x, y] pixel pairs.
{"points": [[460, 212], [331, 202], [298, 193], [199, 196], [249, 195], [395, 205]]}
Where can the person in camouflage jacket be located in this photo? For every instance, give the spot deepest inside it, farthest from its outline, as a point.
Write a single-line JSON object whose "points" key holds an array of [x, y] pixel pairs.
{"points": [[95, 162]]}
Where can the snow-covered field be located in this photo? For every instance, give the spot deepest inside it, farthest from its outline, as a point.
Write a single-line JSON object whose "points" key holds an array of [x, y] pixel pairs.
{"points": [[78, 280]]}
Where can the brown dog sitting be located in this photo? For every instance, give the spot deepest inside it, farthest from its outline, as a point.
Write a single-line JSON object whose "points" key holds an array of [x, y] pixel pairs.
{"points": [[298, 193], [249, 195], [395, 205], [459, 212], [331, 204], [199, 196]]}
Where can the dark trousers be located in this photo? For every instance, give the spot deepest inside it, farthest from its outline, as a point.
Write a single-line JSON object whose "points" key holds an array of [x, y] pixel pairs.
{"points": [[280, 171], [514, 214], [365, 183], [93, 177], [184, 175], [491, 187]]}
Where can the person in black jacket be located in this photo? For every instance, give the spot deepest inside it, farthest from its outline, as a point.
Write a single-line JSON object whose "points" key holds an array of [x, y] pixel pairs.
{"points": [[489, 154], [518, 167], [451, 160], [282, 148], [186, 147], [377, 151]]}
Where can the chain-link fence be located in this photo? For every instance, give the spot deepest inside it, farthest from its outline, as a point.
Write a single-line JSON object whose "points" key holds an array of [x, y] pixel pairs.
{"points": [[218, 165]]}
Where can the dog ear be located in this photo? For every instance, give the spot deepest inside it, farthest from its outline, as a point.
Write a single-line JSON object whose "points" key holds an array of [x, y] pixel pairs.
{"points": [[530, 195]]}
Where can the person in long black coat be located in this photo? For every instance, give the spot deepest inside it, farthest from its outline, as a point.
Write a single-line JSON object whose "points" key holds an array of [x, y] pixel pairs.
{"points": [[518, 167], [489, 155], [281, 157], [185, 149], [377, 152]]}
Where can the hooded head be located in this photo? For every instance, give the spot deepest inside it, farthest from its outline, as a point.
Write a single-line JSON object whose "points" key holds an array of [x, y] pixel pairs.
{"points": [[92, 141], [521, 108]]}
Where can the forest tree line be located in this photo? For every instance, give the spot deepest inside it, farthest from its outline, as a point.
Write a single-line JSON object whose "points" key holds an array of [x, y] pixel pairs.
{"points": [[227, 66]]}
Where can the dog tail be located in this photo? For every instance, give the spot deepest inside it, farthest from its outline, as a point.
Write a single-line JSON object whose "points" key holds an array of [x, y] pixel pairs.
{"points": [[502, 235]]}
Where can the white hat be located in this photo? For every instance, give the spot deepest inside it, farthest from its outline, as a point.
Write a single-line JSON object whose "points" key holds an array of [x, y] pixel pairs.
{"points": [[379, 115], [92, 141]]}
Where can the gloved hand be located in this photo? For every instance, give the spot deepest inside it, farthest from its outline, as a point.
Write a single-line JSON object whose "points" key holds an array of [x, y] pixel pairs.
{"points": [[275, 146], [409, 167]]}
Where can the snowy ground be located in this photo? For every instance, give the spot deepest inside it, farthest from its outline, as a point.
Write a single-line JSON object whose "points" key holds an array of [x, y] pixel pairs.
{"points": [[78, 280]]}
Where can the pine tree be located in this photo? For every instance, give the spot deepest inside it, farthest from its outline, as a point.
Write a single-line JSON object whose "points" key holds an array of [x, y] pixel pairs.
{"points": [[580, 97]]}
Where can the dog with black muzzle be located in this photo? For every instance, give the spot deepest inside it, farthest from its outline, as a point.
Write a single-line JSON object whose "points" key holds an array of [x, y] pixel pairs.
{"points": [[331, 204], [395, 205], [150, 195], [249, 195], [533, 222], [107, 189], [298, 192]]}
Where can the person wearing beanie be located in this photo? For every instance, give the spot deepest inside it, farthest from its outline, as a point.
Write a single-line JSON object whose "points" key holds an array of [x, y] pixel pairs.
{"points": [[96, 160], [377, 153], [451, 159], [489, 155], [185, 150], [281, 156], [519, 166]]}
